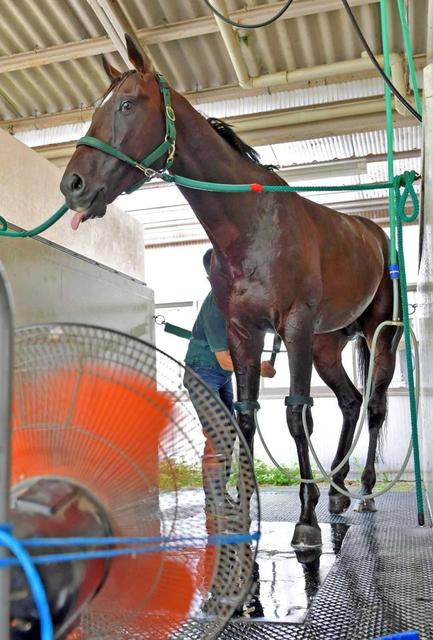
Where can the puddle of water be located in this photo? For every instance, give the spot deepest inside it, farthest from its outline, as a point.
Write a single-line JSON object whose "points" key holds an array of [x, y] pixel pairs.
{"points": [[286, 585]]}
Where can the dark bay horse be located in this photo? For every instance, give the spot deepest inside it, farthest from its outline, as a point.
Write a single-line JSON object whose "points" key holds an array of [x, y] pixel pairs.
{"points": [[282, 263]]}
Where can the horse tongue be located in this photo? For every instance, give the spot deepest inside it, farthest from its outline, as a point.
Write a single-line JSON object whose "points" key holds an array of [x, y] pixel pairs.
{"points": [[75, 222]]}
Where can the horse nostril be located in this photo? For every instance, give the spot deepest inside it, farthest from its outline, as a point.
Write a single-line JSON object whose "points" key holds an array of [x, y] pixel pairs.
{"points": [[77, 183]]}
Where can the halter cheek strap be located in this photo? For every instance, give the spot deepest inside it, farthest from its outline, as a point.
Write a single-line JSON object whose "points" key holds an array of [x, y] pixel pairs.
{"points": [[168, 146]]}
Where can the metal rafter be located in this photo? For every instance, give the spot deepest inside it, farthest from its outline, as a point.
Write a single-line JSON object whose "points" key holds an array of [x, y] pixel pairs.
{"points": [[166, 33], [74, 116], [116, 24]]}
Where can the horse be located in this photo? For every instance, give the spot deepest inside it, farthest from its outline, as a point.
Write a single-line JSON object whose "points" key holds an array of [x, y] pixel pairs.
{"points": [[312, 275]]}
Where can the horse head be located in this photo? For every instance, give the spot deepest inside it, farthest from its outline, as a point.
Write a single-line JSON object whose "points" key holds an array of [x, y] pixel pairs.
{"points": [[129, 120]]}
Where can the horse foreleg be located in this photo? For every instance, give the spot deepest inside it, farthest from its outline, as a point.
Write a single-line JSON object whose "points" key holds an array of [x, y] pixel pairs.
{"points": [[384, 365], [329, 366], [298, 338], [246, 346]]}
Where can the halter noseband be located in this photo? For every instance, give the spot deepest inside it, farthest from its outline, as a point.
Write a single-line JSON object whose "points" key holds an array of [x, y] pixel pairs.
{"points": [[168, 146]]}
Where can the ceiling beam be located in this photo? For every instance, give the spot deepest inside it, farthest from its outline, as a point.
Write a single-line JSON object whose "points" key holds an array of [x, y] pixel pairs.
{"points": [[45, 121], [318, 121], [322, 129], [116, 24], [166, 33], [110, 26]]}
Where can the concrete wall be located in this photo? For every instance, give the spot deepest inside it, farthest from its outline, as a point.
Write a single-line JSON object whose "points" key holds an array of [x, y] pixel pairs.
{"points": [[425, 290], [50, 284], [29, 193]]}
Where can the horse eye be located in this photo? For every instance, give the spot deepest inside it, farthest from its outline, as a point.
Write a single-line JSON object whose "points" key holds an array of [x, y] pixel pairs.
{"points": [[126, 105]]}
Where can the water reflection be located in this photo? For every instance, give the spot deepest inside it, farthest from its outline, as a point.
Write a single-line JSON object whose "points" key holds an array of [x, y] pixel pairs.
{"points": [[286, 582]]}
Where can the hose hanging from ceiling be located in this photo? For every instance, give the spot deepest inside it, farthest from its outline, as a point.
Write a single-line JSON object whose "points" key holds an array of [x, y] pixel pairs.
{"points": [[256, 25]]}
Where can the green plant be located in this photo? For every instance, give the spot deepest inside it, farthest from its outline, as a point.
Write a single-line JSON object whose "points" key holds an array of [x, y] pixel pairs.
{"points": [[179, 474], [356, 463], [270, 475]]}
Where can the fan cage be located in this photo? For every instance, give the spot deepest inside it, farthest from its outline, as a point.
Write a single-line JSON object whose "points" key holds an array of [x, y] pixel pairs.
{"points": [[155, 477]]}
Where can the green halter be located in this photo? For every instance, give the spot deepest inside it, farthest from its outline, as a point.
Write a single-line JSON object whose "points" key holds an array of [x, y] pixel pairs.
{"points": [[168, 146]]}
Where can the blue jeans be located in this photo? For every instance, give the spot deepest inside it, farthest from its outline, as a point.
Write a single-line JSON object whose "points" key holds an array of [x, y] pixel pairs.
{"points": [[218, 382]]}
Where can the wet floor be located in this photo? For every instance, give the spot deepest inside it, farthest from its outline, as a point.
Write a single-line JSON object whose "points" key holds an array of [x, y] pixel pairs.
{"points": [[288, 582]]}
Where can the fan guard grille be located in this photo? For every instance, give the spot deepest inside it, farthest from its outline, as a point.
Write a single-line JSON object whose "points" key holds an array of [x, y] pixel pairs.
{"points": [[79, 393]]}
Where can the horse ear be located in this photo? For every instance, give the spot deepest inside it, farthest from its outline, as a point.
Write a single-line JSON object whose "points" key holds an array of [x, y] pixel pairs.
{"points": [[136, 58], [111, 72]]}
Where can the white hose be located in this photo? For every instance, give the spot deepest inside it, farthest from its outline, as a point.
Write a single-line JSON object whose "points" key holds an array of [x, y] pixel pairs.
{"points": [[329, 475]]}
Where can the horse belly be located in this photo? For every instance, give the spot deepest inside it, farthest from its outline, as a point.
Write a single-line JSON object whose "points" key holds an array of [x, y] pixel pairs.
{"points": [[344, 303]]}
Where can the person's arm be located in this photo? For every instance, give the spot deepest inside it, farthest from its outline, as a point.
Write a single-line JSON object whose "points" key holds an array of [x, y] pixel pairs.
{"points": [[267, 369], [224, 360], [215, 329]]}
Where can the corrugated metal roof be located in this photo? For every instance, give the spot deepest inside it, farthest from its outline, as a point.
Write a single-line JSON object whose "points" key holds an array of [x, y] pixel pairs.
{"points": [[340, 147], [225, 108], [191, 63], [33, 26], [321, 94]]}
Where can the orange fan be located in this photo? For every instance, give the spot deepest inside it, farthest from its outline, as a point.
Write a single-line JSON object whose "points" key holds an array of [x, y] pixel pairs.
{"points": [[102, 446]]}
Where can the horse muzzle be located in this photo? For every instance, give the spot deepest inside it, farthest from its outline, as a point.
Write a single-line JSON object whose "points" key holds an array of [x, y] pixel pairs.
{"points": [[79, 198]]}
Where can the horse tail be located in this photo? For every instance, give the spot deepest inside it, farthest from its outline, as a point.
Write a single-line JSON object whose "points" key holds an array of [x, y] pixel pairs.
{"points": [[363, 356]]}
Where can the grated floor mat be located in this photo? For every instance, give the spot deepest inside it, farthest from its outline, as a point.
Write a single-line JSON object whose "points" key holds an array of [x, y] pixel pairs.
{"points": [[381, 583], [281, 504]]}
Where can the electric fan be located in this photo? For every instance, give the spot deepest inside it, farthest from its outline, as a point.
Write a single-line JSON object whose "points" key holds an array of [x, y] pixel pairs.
{"points": [[145, 524]]}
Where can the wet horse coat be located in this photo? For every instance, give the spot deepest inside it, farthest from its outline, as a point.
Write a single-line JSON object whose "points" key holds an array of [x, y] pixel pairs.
{"points": [[282, 263]]}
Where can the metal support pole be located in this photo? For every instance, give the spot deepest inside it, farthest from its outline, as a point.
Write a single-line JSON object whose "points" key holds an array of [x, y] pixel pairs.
{"points": [[6, 333]]}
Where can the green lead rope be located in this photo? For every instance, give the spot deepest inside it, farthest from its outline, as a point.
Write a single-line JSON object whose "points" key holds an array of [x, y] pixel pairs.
{"points": [[30, 233], [401, 216], [405, 180], [221, 187], [180, 332]]}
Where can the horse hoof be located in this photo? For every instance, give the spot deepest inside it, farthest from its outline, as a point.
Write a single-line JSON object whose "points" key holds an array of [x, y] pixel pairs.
{"points": [[308, 555], [306, 536], [338, 503], [366, 505]]}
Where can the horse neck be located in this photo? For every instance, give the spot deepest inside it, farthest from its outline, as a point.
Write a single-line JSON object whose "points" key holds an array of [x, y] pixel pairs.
{"points": [[202, 154]]}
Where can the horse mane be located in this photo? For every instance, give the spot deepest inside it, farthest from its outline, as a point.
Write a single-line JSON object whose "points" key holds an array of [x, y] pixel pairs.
{"points": [[226, 132]]}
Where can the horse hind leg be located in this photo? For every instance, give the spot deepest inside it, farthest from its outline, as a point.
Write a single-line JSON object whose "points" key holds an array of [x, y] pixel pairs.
{"points": [[328, 364], [384, 365]]}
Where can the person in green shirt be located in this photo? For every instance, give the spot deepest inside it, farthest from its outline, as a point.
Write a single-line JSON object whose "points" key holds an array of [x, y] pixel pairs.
{"points": [[208, 352]]}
